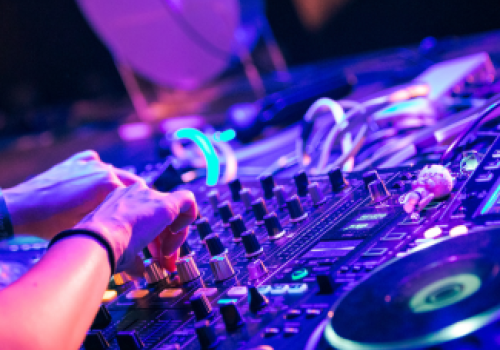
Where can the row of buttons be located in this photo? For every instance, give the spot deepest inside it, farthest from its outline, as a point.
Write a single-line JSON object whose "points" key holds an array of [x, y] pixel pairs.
{"points": [[275, 289]]}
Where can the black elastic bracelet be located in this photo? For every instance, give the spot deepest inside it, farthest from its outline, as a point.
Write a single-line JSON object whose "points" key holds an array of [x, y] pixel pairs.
{"points": [[96, 236], [6, 228]]}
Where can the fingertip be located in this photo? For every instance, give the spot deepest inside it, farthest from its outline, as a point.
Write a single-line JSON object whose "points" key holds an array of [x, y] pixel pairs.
{"points": [[87, 155], [169, 261]]}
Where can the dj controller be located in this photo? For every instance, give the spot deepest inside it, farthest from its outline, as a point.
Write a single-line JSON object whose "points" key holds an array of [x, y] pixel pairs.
{"points": [[340, 260]]}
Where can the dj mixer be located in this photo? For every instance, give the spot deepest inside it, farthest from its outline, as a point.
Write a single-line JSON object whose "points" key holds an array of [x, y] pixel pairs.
{"points": [[338, 260]]}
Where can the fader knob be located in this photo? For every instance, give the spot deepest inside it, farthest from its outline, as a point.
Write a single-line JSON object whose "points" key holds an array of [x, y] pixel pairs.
{"points": [[187, 269], [273, 226], [129, 340], [256, 269], [237, 227], [102, 319], [370, 176], [378, 191], [235, 187], [222, 268], [337, 180], [246, 198], [259, 210], [225, 212], [231, 316], [185, 250], [251, 244], [256, 300], [295, 209], [301, 182], [206, 334], [201, 306], [95, 340], [267, 182], [213, 199], [214, 244], [203, 227], [279, 193], [316, 194]]}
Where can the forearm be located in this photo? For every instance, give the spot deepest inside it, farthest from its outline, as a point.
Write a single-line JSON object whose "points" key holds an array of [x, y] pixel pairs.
{"points": [[54, 304]]}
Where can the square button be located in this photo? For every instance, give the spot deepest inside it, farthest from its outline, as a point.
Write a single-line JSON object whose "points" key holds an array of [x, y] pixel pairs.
{"points": [[109, 295], [207, 291], [278, 289], [170, 293], [297, 288], [264, 289], [237, 291], [137, 294]]}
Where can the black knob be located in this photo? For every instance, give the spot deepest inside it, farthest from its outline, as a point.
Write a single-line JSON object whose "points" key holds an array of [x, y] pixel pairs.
{"points": [[203, 227], [201, 306], [225, 211], [256, 301], [259, 210], [279, 193], [301, 182], [337, 180], [273, 226], [370, 176], [246, 198], [231, 316], [235, 187], [213, 199], [251, 244], [206, 334], [102, 319], [267, 182], [129, 340], [95, 340], [185, 250], [237, 227], [295, 209], [326, 284], [214, 244]]}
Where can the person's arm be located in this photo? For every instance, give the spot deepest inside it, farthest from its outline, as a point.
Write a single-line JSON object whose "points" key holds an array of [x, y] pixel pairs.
{"points": [[54, 304]]}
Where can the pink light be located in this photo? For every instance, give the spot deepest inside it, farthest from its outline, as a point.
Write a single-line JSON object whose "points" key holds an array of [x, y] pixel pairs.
{"points": [[135, 131]]}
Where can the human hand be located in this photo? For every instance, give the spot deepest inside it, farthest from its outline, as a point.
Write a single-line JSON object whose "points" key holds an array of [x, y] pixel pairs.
{"points": [[130, 218], [60, 197]]}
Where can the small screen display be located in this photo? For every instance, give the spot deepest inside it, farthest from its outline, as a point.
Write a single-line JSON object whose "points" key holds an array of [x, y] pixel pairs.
{"points": [[371, 217], [360, 226]]}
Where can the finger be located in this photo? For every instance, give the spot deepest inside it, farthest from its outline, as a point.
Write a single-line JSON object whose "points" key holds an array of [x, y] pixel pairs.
{"points": [[127, 178], [171, 242], [168, 262], [86, 155], [188, 210], [136, 268]]}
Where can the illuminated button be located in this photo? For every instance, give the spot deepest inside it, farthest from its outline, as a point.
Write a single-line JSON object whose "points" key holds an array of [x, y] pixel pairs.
{"points": [[433, 232], [278, 289], [312, 313], [292, 314], [237, 291], [356, 268], [122, 278], [492, 165], [109, 295], [225, 301], [170, 293], [299, 274], [264, 289], [297, 288], [207, 291], [344, 269], [270, 332], [137, 294], [290, 331], [459, 230], [496, 154], [484, 177]]}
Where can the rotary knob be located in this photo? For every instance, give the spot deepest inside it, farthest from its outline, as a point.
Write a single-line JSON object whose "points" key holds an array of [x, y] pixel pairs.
{"points": [[222, 268], [95, 340], [214, 244], [237, 227], [225, 212], [154, 273], [256, 300], [213, 199], [206, 334], [259, 210], [246, 198], [267, 182], [378, 191], [256, 269], [201, 306], [337, 180], [235, 187], [231, 316], [129, 340], [251, 244], [370, 176], [295, 209], [187, 269], [102, 319], [273, 226], [203, 227], [301, 182], [185, 250], [279, 193], [316, 194]]}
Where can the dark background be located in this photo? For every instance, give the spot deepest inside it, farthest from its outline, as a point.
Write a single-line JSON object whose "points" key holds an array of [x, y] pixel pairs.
{"points": [[49, 56]]}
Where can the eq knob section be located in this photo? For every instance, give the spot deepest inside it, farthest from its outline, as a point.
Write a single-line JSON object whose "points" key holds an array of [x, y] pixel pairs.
{"points": [[251, 244], [214, 244], [337, 180], [235, 187], [237, 227], [221, 267], [302, 183], [187, 269], [203, 227], [295, 209], [273, 226], [259, 210], [267, 182], [225, 212]]}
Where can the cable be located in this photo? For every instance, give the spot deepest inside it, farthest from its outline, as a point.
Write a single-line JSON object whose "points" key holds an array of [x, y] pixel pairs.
{"points": [[231, 169]]}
